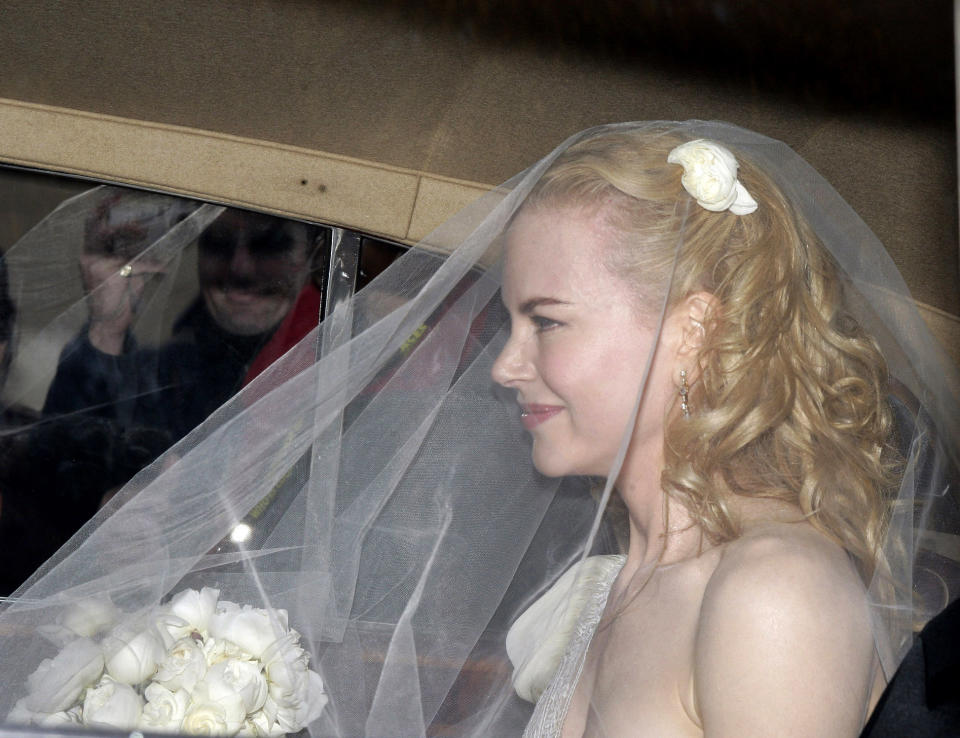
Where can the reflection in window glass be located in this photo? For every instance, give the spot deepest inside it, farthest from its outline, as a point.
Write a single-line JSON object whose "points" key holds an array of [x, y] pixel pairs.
{"points": [[375, 256], [127, 318]]}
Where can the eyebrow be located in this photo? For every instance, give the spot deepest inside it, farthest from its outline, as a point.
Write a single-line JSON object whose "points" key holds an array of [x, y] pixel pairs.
{"points": [[533, 303]]}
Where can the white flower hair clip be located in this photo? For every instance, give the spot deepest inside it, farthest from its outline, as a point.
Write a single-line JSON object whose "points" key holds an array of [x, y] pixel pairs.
{"points": [[710, 176]]}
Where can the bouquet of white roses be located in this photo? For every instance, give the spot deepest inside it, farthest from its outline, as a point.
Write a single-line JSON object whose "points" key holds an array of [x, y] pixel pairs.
{"points": [[195, 665]]}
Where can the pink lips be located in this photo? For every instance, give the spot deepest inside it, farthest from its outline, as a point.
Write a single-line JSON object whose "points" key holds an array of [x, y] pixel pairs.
{"points": [[533, 415]]}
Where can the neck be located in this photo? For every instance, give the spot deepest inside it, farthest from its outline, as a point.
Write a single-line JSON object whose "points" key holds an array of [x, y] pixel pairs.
{"points": [[661, 529]]}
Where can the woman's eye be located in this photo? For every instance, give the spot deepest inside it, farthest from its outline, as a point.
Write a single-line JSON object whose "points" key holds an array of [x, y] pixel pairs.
{"points": [[543, 324]]}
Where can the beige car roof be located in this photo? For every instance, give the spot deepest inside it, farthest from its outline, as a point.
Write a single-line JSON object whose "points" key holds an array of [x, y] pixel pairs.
{"points": [[362, 115]]}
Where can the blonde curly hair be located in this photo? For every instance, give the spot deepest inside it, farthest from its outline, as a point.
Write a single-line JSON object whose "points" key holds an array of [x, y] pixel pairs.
{"points": [[789, 392]]}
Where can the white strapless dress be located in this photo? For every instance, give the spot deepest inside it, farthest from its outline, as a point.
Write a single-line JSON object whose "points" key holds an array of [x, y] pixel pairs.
{"points": [[559, 627]]}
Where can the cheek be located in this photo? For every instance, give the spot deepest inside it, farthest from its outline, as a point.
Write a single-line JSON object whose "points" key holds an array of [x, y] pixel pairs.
{"points": [[210, 268], [281, 273], [567, 373], [600, 381]]}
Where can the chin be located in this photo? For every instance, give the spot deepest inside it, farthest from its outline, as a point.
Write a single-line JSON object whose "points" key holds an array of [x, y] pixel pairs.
{"points": [[554, 464], [246, 316], [247, 323]]}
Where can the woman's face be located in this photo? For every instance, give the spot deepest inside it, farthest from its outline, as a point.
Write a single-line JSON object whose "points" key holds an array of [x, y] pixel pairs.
{"points": [[577, 346]]}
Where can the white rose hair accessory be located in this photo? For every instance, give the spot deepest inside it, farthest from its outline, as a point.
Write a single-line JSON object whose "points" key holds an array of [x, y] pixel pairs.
{"points": [[710, 176]]}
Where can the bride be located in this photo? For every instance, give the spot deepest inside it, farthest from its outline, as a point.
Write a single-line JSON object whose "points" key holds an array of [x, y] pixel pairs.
{"points": [[709, 359], [755, 464]]}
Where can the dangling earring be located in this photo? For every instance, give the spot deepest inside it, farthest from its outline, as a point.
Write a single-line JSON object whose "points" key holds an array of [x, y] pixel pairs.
{"points": [[684, 391]]}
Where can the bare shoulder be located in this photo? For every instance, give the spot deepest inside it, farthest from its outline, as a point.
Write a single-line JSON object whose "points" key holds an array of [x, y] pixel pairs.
{"points": [[783, 564], [784, 644]]}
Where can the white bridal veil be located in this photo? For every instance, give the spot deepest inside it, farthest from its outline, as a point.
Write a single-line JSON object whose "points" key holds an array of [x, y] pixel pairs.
{"points": [[395, 512]]}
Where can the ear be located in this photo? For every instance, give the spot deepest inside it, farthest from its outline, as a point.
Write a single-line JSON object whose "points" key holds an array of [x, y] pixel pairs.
{"points": [[693, 314]]}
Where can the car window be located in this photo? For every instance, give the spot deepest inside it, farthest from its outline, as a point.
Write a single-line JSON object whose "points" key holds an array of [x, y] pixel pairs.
{"points": [[126, 318]]}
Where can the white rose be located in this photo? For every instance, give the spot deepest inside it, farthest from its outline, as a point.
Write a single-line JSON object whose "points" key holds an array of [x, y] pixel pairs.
{"points": [[111, 705], [206, 716], [193, 610], [57, 683], [238, 677], [64, 718], [296, 693], [285, 667], [217, 650], [182, 666], [132, 655], [258, 725], [172, 629], [88, 617], [206, 719], [251, 628], [297, 696], [164, 710], [21, 715], [295, 714], [83, 618], [710, 176]]}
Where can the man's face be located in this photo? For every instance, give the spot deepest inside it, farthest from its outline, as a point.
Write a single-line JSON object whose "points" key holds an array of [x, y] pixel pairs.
{"points": [[251, 268]]}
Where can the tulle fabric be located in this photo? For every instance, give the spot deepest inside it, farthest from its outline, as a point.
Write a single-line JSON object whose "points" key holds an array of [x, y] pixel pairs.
{"points": [[395, 510], [45, 283]]}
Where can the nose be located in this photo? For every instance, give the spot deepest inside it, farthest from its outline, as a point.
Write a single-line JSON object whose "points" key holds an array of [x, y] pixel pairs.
{"points": [[242, 262], [513, 365]]}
